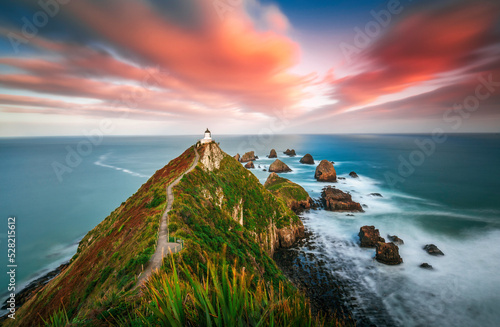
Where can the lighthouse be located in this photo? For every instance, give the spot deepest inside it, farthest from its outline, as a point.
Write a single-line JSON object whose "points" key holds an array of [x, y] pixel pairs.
{"points": [[207, 138]]}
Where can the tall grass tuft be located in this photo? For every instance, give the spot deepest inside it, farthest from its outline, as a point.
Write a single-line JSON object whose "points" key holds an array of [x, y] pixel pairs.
{"points": [[224, 297]]}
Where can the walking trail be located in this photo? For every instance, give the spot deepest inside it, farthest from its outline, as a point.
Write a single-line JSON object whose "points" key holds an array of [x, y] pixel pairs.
{"points": [[165, 247]]}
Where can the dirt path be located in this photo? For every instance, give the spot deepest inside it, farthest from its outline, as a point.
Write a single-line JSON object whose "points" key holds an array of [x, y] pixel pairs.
{"points": [[164, 247]]}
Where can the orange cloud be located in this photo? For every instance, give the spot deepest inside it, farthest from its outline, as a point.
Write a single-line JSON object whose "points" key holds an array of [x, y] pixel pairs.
{"points": [[419, 48]]}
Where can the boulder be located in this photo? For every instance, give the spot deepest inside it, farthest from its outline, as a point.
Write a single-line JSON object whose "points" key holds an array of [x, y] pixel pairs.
{"points": [[290, 153], [369, 237], [353, 174], [396, 240], [249, 165], [325, 172], [425, 265], [272, 154], [433, 250], [388, 253], [307, 159], [237, 157], [279, 166], [335, 200], [249, 156]]}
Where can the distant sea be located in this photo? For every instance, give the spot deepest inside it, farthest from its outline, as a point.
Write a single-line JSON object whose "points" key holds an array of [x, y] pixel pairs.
{"points": [[444, 193]]}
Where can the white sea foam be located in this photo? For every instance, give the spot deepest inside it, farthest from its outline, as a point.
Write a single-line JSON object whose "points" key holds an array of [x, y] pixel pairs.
{"points": [[104, 157]]}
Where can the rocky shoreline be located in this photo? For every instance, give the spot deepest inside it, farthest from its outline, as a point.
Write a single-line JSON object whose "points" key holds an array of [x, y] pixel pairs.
{"points": [[311, 272]]}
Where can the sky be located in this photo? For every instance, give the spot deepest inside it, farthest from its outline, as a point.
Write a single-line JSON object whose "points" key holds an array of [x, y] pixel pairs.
{"points": [[163, 67]]}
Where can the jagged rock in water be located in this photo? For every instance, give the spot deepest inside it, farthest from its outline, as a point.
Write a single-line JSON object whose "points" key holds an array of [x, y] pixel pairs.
{"points": [[388, 253], [396, 240], [353, 174], [237, 157], [369, 237], [375, 194], [272, 154], [279, 166], [325, 172], [335, 200], [307, 159], [433, 250], [425, 265], [290, 153], [249, 156], [249, 165]]}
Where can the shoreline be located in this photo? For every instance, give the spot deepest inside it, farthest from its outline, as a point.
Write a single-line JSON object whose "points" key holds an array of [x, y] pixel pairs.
{"points": [[33, 287], [308, 271]]}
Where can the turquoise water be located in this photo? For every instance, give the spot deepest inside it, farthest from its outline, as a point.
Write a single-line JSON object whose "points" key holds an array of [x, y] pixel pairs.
{"points": [[448, 197]]}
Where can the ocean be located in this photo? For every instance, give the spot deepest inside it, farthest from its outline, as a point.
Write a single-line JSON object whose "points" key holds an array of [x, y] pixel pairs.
{"points": [[434, 190]]}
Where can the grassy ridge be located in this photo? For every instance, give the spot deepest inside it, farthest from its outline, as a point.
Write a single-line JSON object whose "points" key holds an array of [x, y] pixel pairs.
{"points": [[285, 189], [110, 256]]}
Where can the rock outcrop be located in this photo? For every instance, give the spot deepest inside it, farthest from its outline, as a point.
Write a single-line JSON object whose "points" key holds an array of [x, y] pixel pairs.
{"points": [[353, 174], [279, 166], [325, 172], [335, 200], [307, 159], [293, 194], [425, 265], [249, 165], [433, 250], [273, 154], [290, 153], [396, 240], [388, 253], [212, 157], [249, 156], [237, 157], [369, 237]]}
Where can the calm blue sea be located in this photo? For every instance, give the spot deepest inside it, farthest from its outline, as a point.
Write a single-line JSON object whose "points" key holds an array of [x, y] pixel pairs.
{"points": [[445, 193]]}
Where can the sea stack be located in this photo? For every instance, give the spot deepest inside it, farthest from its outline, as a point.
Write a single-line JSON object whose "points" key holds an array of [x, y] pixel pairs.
{"points": [[325, 172], [279, 166], [290, 153], [249, 156], [272, 154], [249, 165], [307, 159]]}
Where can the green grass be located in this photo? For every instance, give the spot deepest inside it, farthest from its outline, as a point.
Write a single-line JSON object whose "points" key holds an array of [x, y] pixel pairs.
{"points": [[225, 296]]}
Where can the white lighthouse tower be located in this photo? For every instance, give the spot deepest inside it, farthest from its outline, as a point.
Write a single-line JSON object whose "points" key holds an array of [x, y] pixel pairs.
{"points": [[207, 138]]}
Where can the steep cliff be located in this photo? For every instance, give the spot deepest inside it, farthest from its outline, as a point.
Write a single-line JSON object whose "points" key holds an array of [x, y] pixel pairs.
{"points": [[218, 205]]}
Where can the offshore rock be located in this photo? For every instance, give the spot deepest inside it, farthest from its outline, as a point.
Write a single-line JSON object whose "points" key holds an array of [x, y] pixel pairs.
{"points": [[249, 165], [279, 166], [249, 156], [396, 240], [272, 154], [307, 159], [325, 172], [433, 250], [290, 153], [388, 253], [353, 174], [369, 237], [335, 200], [237, 157]]}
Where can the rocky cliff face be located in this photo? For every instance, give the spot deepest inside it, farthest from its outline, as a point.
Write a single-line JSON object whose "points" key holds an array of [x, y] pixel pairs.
{"points": [[212, 157]]}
